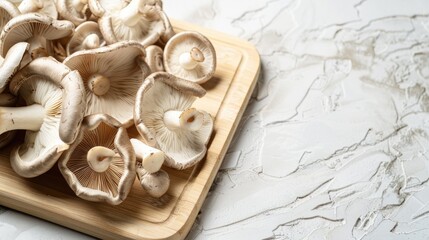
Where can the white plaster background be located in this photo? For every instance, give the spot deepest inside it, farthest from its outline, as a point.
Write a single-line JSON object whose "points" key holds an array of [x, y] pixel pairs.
{"points": [[333, 144]]}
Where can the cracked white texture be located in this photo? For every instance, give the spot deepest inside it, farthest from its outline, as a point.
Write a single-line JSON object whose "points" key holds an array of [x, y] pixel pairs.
{"points": [[333, 144]]}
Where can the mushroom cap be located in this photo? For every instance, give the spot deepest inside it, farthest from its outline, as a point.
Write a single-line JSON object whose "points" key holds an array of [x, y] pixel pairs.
{"points": [[184, 42], [26, 26], [80, 33], [155, 184], [111, 186], [47, 9], [11, 63], [7, 12], [67, 11], [73, 92], [154, 58], [122, 63], [40, 149], [151, 27], [161, 92]]}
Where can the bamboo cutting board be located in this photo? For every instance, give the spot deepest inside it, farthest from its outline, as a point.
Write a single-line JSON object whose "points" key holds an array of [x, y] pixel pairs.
{"points": [[140, 216]]}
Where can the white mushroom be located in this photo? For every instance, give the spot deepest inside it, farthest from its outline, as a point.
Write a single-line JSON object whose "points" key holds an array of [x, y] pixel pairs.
{"points": [[151, 158], [155, 184], [7, 100], [7, 12], [154, 58], [165, 118], [112, 76], [44, 116], [100, 164], [86, 36], [37, 29], [191, 56], [12, 62], [76, 11], [46, 7], [138, 20]]}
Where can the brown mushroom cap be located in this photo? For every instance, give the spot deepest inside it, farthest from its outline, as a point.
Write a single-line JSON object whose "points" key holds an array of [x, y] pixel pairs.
{"points": [[112, 76], [33, 26], [154, 58], [84, 30], [73, 92], [185, 43], [162, 92], [111, 186]]}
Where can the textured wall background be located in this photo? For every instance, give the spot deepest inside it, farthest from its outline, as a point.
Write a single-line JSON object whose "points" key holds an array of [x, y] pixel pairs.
{"points": [[334, 142]]}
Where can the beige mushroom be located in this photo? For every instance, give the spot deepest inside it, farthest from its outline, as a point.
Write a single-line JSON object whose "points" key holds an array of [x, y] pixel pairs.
{"points": [[76, 11], [100, 164], [151, 158], [155, 184], [15, 58], [138, 20], [72, 91], [112, 76], [46, 7], [164, 117], [37, 29], [154, 58], [7, 100], [7, 12], [191, 56], [86, 36]]}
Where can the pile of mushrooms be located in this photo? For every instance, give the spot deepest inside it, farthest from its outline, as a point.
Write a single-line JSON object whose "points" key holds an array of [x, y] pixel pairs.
{"points": [[77, 75]]}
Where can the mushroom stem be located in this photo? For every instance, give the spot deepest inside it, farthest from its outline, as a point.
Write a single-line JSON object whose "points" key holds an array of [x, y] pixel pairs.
{"points": [[79, 4], [130, 15], [37, 48], [98, 84], [21, 118], [99, 158], [190, 119], [152, 158], [91, 41], [28, 6], [190, 60]]}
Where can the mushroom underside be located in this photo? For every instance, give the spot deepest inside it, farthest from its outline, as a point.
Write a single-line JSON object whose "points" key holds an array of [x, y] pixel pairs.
{"points": [[181, 146]]}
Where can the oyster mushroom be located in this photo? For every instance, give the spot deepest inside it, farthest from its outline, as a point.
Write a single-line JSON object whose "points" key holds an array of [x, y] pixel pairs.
{"points": [[38, 30], [154, 56], [155, 184], [7, 12], [7, 100], [153, 179], [70, 85], [151, 158], [164, 117], [138, 20], [12, 62], [52, 114], [191, 56], [100, 164], [86, 36], [46, 7], [112, 76], [76, 11]]}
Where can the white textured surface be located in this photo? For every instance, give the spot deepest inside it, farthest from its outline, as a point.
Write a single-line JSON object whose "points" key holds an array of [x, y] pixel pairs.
{"points": [[334, 142]]}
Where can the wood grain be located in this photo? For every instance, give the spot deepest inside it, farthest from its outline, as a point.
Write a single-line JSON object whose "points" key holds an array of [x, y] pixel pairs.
{"points": [[140, 216]]}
